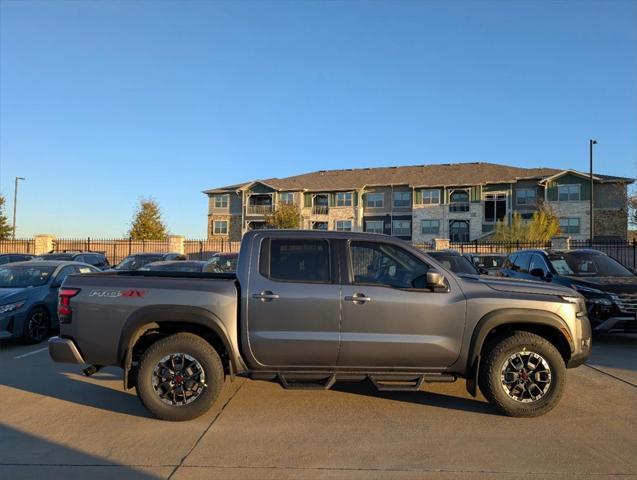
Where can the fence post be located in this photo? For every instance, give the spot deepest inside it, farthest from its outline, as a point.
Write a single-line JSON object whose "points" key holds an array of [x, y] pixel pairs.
{"points": [[130, 246], [176, 243], [113, 258], [200, 250], [222, 244], [43, 244], [88, 244]]}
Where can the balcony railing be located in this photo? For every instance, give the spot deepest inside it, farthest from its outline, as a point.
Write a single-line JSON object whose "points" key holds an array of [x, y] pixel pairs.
{"points": [[320, 210], [459, 207], [259, 209]]}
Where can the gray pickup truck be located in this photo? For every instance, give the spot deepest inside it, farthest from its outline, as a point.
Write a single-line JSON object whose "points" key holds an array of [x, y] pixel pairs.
{"points": [[309, 308]]}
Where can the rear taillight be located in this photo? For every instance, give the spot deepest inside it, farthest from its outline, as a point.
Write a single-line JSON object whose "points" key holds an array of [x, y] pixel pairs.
{"points": [[64, 303]]}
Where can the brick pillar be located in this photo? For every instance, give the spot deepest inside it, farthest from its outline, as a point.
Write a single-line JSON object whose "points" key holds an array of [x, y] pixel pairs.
{"points": [[176, 243], [441, 243], [561, 242], [43, 244]]}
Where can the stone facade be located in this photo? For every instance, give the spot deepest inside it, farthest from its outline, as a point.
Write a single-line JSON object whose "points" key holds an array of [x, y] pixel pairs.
{"points": [[333, 215], [574, 210]]}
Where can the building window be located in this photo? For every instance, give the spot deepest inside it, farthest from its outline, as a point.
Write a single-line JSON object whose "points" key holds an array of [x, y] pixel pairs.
{"points": [[459, 230], [401, 228], [374, 200], [343, 225], [459, 201], [495, 207], [220, 227], [344, 199], [286, 198], [402, 199], [525, 196], [570, 225], [568, 193], [374, 226], [319, 225], [221, 201], [429, 227], [431, 197]]}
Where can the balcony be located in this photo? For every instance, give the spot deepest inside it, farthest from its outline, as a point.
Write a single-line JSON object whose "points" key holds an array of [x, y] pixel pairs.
{"points": [[320, 210], [459, 207], [259, 209]]}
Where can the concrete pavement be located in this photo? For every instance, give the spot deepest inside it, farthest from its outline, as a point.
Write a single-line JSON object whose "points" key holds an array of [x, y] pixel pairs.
{"points": [[58, 424]]}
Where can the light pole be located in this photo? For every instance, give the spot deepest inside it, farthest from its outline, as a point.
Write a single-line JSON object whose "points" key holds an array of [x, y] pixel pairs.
{"points": [[590, 157], [15, 202]]}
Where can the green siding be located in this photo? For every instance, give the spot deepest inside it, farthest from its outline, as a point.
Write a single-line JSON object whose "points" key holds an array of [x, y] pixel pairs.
{"points": [[476, 194], [497, 187], [568, 179], [260, 188], [307, 199]]}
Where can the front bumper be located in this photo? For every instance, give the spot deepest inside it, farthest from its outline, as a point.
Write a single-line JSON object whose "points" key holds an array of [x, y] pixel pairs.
{"points": [[64, 350], [625, 323]]}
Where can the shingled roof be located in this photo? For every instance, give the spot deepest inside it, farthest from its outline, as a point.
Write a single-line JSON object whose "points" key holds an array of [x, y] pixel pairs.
{"points": [[448, 174]]}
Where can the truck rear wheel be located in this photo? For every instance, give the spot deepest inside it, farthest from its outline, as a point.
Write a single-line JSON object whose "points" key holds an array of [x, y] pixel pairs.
{"points": [[179, 377], [522, 375]]}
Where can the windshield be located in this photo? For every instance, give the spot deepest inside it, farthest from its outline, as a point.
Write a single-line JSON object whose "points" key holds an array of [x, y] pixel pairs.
{"points": [[135, 262], [489, 261], [54, 256], [222, 264], [584, 264], [174, 267], [455, 263], [24, 276]]}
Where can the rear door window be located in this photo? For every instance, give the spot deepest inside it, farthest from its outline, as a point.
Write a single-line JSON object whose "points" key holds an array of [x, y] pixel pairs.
{"points": [[289, 260]]}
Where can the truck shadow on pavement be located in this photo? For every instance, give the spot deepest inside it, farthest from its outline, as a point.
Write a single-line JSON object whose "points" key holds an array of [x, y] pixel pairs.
{"points": [[24, 455], [423, 397], [74, 388]]}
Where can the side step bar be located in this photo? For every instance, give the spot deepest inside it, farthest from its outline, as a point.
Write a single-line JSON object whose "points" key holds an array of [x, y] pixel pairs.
{"points": [[384, 382], [402, 385], [306, 385]]}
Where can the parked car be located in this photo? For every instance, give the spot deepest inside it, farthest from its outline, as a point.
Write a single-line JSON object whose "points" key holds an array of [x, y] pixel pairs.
{"points": [[455, 262], [29, 296], [97, 259], [223, 263], [177, 266], [491, 263], [309, 308], [610, 289], [14, 257], [138, 260]]}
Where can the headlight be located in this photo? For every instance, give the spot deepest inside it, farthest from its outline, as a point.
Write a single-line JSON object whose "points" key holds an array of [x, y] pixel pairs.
{"points": [[579, 301], [10, 307], [599, 301]]}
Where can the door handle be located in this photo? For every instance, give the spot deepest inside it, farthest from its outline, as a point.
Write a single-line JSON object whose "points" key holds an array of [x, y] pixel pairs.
{"points": [[265, 296], [357, 298]]}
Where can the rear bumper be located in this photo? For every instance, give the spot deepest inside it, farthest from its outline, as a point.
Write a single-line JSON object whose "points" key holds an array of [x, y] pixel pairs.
{"points": [[64, 350]]}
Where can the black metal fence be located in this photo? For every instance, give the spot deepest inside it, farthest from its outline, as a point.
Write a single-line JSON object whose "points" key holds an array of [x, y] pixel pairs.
{"points": [[622, 251], [19, 245]]}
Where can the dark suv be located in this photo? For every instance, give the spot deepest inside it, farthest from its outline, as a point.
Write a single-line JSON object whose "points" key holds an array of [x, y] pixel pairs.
{"points": [[97, 259], [610, 289]]}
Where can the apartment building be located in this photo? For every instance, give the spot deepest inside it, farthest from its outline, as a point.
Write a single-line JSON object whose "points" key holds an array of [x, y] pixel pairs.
{"points": [[461, 202]]}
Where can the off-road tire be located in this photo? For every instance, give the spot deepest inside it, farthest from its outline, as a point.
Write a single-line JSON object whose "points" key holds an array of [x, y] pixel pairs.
{"points": [[196, 348], [32, 334], [491, 367]]}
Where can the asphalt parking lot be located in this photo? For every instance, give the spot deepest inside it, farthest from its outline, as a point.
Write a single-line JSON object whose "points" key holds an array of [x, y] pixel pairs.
{"points": [[55, 423]]}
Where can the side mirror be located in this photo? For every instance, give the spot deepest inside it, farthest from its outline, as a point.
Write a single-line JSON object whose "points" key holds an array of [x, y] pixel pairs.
{"points": [[56, 284], [537, 272], [435, 279]]}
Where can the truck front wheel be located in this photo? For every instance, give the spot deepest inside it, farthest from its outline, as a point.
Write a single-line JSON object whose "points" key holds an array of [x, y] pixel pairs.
{"points": [[179, 377], [522, 375]]}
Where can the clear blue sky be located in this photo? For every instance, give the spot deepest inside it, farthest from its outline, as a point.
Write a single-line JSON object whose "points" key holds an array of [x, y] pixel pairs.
{"points": [[104, 102]]}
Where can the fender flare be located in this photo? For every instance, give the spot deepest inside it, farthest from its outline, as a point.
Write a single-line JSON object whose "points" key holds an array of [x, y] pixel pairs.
{"points": [[509, 317], [151, 317]]}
